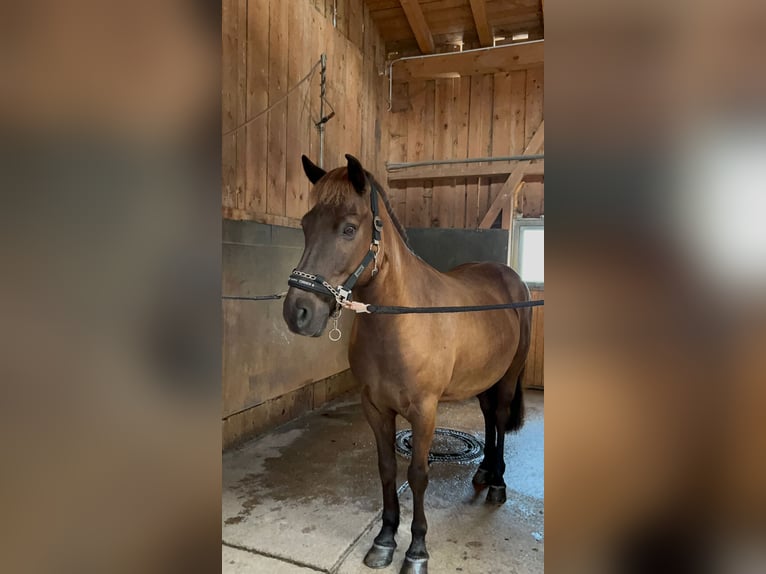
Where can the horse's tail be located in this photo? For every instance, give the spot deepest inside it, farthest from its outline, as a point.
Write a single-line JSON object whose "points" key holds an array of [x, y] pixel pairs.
{"points": [[517, 407]]}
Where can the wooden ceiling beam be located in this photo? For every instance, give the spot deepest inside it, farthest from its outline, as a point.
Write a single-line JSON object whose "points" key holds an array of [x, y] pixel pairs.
{"points": [[479, 9], [472, 62], [419, 25]]}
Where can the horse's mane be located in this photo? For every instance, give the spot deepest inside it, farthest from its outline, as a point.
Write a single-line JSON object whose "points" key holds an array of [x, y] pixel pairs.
{"points": [[334, 189], [390, 209]]}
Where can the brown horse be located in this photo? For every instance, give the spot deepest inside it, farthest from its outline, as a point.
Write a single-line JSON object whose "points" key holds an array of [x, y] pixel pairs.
{"points": [[408, 363]]}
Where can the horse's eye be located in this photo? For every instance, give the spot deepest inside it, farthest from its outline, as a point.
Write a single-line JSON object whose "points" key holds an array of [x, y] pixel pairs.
{"points": [[349, 231]]}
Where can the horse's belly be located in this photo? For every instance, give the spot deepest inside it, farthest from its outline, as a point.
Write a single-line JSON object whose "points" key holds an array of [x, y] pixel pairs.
{"points": [[480, 364], [465, 385]]}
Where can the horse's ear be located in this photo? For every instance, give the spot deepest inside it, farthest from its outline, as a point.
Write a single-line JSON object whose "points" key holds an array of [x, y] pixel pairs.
{"points": [[313, 172], [356, 173]]}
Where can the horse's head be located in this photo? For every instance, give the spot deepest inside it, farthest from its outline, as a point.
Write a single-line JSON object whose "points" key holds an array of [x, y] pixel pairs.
{"points": [[337, 233]]}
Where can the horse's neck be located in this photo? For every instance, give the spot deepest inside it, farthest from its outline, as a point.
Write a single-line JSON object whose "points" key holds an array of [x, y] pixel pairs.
{"points": [[400, 269]]}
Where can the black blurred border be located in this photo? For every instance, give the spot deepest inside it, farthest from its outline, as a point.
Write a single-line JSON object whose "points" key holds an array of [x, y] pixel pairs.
{"points": [[110, 347]]}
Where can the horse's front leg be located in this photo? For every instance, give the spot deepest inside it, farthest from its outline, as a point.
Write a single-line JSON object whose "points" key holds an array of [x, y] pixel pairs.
{"points": [[383, 423], [423, 426]]}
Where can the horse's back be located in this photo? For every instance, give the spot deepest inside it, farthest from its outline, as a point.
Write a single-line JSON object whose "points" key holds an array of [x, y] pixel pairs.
{"points": [[492, 275]]}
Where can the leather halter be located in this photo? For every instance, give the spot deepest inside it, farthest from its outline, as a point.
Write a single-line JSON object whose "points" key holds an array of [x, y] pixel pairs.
{"points": [[342, 293]]}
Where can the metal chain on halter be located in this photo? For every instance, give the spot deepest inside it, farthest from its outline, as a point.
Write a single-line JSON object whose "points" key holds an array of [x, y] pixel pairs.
{"points": [[341, 299]]}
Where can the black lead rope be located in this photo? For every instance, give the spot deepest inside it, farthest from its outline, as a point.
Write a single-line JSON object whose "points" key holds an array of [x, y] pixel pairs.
{"points": [[391, 310], [254, 297]]}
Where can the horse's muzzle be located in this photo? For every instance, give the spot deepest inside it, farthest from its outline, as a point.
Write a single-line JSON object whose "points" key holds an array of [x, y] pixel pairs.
{"points": [[305, 313]]}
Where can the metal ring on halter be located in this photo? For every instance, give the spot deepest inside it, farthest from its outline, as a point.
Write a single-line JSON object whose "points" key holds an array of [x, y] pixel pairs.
{"points": [[335, 317]]}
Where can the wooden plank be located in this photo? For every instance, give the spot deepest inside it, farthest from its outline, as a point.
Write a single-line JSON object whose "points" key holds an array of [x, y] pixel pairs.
{"points": [[540, 343], [513, 180], [534, 102], [256, 160], [241, 97], [356, 23], [426, 218], [474, 149], [509, 208], [533, 200], [294, 179], [229, 101], [479, 141], [533, 374], [229, 171], [398, 149], [501, 124], [462, 113], [518, 111], [306, 126], [354, 98], [479, 10], [531, 365], [368, 104], [341, 16], [419, 26], [488, 61], [268, 218], [229, 60], [486, 98], [416, 149], [336, 95], [450, 171], [444, 129], [318, 46], [277, 122]]}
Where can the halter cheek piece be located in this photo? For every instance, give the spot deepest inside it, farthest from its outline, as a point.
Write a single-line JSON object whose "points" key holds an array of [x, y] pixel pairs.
{"points": [[342, 293]]}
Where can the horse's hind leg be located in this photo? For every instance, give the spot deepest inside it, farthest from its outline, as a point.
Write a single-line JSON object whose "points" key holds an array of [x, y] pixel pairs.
{"points": [[487, 401], [509, 412], [383, 426]]}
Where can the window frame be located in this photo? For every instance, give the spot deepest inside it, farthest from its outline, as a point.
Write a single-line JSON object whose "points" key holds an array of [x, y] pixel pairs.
{"points": [[519, 224]]}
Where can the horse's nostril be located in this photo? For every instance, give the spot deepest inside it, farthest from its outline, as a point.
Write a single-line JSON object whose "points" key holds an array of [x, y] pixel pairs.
{"points": [[303, 317]]}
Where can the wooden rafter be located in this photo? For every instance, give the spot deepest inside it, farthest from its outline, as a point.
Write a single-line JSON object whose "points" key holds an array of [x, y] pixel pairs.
{"points": [[419, 26], [474, 62], [503, 199], [479, 9]]}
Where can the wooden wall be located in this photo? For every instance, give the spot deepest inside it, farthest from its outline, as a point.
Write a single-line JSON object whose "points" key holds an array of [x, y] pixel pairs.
{"points": [[268, 46], [533, 373], [477, 116]]}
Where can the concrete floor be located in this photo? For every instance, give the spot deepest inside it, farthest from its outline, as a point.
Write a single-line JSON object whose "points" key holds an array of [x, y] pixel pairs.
{"points": [[306, 498]]}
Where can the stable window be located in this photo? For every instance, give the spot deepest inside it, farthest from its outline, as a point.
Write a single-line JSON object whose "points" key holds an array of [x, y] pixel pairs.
{"points": [[529, 250]]}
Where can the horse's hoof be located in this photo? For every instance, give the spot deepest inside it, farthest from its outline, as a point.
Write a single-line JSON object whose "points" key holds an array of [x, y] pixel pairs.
{"points": [[496, 495], [414, 566], [481, 478], [379, 556]]}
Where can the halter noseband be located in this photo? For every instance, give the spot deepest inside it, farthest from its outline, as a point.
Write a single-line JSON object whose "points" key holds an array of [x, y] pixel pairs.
{"points": [[342, 293]]}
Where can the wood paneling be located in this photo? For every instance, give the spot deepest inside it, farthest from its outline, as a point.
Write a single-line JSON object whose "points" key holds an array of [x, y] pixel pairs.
{"points": [[268, 47], [533, 373], [476, 116]]}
